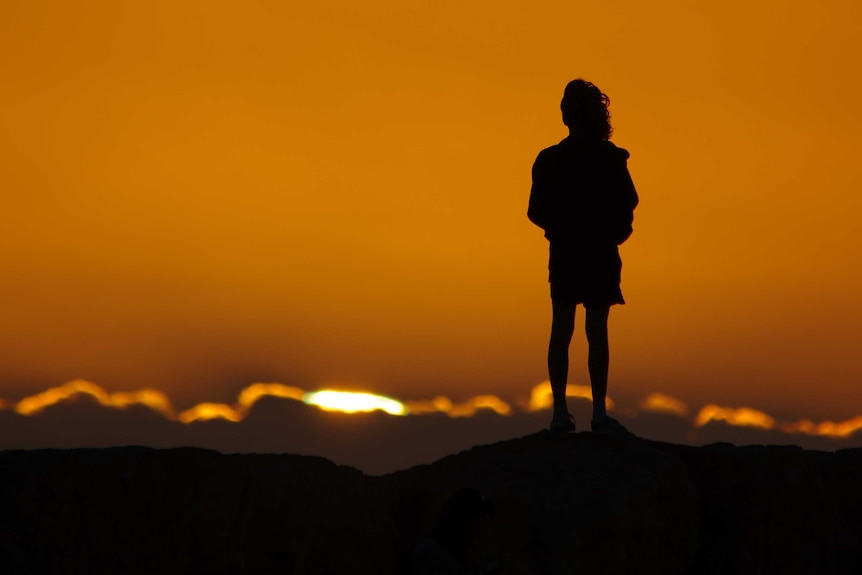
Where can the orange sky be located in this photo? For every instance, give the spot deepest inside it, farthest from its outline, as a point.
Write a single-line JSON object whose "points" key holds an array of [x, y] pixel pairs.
{"points": [[199, 196]]}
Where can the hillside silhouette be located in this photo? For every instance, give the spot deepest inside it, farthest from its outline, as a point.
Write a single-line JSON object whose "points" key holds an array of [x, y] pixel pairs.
{"points": [[577, 504]]}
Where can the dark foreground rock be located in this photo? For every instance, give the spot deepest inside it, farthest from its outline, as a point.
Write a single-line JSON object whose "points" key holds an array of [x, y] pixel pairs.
{"points": [[580, 504]]}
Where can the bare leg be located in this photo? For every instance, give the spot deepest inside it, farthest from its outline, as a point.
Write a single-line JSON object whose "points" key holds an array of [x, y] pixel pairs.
{"points": [[562, 327], [599, 357]]}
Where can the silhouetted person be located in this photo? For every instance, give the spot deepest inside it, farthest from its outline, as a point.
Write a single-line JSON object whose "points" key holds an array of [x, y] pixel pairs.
{"points": [[584, 198], [451, 547]]}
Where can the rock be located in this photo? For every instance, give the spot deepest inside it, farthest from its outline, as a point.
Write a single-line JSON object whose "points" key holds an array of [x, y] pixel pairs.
{"points": [[776, 509], [592, 504], [190, 511]]}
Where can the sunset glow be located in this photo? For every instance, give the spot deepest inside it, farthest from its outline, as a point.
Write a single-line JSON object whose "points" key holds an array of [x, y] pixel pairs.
{"points": [[467, 408], [439, 404], [155, 400], [249, 395], [825, 428], [207, 411], [202, 199], [661, 403], [542, 397], [354, 402], [741, 416]]}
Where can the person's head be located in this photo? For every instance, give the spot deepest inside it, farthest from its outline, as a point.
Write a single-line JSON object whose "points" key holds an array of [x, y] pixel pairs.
{"points": [[585, 110], [460, 520]]}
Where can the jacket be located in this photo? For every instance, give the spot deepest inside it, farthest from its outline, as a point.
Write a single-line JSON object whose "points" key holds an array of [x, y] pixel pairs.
{"points": [[583, 194]]}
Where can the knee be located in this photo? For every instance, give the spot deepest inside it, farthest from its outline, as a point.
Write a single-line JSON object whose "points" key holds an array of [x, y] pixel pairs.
{"points": [[597, 332], [562, 331], [596, 324]]}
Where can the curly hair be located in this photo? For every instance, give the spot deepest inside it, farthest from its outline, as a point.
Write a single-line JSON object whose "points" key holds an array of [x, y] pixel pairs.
{"points": [[585, 110]]}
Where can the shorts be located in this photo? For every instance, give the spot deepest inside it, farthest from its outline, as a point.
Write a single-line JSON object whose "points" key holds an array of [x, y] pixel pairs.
{"points": [[585, 276]]}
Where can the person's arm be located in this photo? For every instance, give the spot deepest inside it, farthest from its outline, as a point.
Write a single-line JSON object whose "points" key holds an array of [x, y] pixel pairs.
{"points": [[540, 210], [627, 201]]}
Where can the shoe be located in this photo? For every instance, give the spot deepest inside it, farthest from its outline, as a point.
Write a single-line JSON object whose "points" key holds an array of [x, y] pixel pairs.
{"points": [[563, 426], [609, 425]]}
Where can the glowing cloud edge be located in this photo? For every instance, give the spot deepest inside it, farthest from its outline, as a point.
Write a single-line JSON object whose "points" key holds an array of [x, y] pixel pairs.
{"points": [[354, 402]]}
